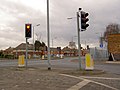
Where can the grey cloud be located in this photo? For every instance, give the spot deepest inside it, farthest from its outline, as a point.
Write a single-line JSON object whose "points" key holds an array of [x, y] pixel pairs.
{"points": [[17, 9], [101, 13]]}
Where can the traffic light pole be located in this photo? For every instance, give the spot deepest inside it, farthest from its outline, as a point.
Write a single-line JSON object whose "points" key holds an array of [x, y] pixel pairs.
{"points": [[26, 52], [33, 42], [79, 45]]}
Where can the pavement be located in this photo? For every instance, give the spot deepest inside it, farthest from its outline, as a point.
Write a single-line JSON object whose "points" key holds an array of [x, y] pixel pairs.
{"points": [[34, 79], [39, 78], [113, 62]]}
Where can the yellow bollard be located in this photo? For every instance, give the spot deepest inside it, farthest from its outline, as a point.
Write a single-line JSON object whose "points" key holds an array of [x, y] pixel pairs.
{"points": [[89, 62], [21, 61], [43, 57], [29, 56]]}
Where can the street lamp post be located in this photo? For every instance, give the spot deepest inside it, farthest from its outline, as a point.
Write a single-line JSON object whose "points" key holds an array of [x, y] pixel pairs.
{"points": [[34, 37], [48, 36], [53, 40]]}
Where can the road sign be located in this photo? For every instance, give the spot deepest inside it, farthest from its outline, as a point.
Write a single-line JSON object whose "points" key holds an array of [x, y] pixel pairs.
{"points": [[101, 45], [101, 42]]}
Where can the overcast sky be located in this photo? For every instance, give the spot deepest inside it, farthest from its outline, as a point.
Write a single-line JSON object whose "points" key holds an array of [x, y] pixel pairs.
{"points": [[15, 13]]}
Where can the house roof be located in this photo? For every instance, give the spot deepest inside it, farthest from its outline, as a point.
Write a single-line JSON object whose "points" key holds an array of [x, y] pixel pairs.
{"points": [[9, 49], [22, 46], [53, 49]]}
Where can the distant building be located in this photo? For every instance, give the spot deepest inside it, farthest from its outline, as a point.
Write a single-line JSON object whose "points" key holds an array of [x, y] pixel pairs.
{"points": [[22, 46], [72, 45], [21, 49], [70, 51], [8, 51]]}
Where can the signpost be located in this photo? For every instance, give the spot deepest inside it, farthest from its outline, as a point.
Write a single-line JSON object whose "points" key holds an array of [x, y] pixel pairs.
{"points": [[101, 41]]}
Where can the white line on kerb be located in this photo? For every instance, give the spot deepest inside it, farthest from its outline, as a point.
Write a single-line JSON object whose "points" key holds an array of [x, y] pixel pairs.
{"points": [[100, 78], [85, 82]]}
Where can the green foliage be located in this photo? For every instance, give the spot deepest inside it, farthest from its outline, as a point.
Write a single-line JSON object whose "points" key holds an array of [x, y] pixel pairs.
{"points": [[1, 55], [7, 56]]}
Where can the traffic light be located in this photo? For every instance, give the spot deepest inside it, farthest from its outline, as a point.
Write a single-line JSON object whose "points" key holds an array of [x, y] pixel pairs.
{"points": [[84, 21], [28, 30]]}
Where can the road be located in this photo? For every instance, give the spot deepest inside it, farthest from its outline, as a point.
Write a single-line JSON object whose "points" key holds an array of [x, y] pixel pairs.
{"points": [[64, 63], [32, 78]]}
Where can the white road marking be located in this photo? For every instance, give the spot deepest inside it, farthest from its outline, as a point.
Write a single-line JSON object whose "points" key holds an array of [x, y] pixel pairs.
{"points": [[72, 76], [28, 82], [100, 78], [113, 62], [79, 85], [85, 82], [105, 85]]}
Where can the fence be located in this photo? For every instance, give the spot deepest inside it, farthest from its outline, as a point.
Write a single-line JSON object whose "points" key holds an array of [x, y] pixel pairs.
{"points": [[99, 54]]}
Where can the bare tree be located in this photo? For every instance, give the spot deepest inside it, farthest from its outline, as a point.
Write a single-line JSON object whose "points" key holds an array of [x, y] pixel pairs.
{"points": [[39, 35], [111, 29], [37, 45]]}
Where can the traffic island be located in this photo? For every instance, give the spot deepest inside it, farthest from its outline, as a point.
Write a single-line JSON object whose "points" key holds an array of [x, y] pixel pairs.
{"points": [[84, 72]]}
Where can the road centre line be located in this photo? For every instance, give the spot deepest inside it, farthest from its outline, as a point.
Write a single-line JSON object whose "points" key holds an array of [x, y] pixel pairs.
{"points": [[85, 81]]}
